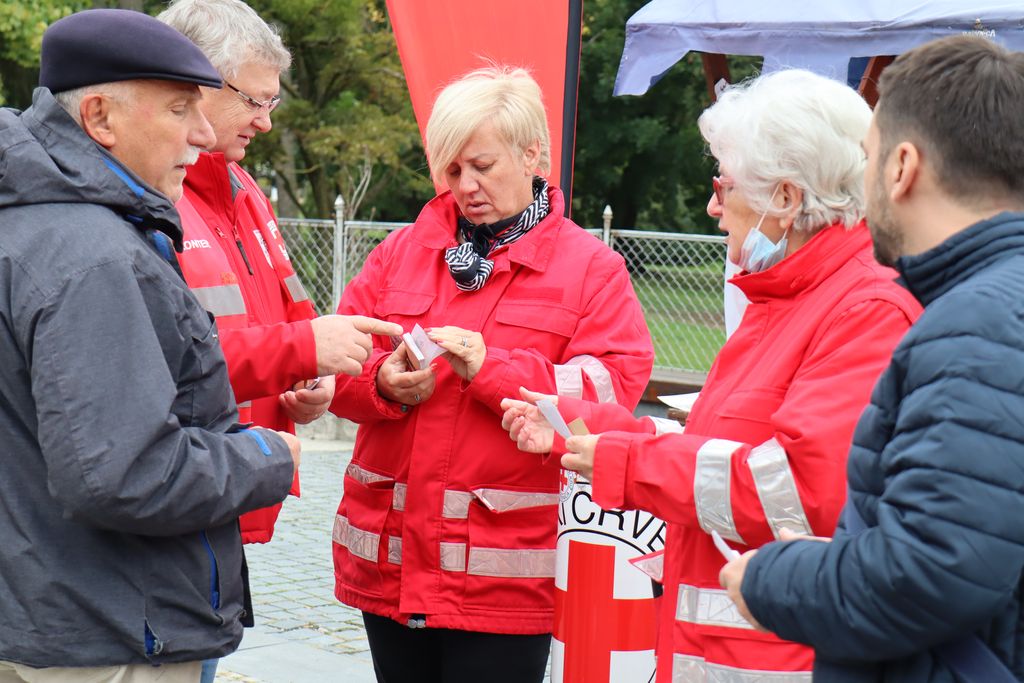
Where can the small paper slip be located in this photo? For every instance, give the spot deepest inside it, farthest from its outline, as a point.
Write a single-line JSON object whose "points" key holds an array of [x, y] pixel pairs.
{"points": [[728, 553], [422, 351], [551, 414], [680, 401]]}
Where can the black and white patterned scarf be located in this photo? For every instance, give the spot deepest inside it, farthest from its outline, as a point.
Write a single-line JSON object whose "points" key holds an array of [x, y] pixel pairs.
{"points": [[468, 262]]}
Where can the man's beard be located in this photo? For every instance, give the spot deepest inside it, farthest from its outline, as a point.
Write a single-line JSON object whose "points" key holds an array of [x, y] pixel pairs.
{"points": [[885, 234]]}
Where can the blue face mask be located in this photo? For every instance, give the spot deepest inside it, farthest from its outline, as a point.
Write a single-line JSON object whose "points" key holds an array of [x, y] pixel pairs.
{"points": [[759, 253]]}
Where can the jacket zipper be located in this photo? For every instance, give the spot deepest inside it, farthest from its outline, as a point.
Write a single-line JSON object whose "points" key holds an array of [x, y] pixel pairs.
{"points": [[214, 592]]}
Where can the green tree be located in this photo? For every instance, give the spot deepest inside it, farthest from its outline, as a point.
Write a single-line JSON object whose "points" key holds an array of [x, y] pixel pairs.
{"points": [[346, 126], [643, 156], [22, 23]]}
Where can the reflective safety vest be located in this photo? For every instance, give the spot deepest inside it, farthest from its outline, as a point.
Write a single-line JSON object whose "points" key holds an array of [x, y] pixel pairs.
{"points": [[236, 262]]}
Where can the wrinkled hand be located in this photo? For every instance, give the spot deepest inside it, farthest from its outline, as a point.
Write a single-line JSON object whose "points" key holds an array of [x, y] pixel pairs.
{"points": [[731, 578], [466, 350], [303, 405], [396, 382], [343, 342], [525, 424], [580, 457], [294, 445]]}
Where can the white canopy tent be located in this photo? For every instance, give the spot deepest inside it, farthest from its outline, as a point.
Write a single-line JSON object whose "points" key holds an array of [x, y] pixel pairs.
{"points": [[820, 36]]}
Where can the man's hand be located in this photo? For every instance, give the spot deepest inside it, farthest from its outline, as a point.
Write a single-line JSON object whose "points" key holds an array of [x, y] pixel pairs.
{"points": [[303, 405], [789, 535], [525, 424], [580, 457], [731, 578], [466, 350], [294, 445], [343, 342], [396, 382]]}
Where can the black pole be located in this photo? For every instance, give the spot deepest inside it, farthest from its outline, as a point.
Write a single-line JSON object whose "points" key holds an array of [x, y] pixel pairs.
{"points": [[572, 82]]}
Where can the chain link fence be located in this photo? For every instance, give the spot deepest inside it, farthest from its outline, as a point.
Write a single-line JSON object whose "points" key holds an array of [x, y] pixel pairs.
{"points": [[678, 279]]}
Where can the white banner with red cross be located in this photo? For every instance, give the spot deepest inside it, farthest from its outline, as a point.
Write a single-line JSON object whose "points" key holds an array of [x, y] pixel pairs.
{"points": [[605, 608]]}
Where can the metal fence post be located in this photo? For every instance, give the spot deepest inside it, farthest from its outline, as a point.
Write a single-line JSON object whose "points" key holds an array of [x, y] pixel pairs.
{"points": [[340, 256], [607, 216]]}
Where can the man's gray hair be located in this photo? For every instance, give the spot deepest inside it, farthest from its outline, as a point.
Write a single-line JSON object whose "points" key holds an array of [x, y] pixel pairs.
{"points": [[798, 126], [229, 33], [71, 100]]}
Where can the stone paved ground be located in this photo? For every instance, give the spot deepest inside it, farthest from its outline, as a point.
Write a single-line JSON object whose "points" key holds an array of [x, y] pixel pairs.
{"points": [[303, 634]]}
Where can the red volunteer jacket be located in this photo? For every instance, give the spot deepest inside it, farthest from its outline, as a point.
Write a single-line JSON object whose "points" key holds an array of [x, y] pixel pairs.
{"points": [[764, 447], [261, 307], [442, 515]]}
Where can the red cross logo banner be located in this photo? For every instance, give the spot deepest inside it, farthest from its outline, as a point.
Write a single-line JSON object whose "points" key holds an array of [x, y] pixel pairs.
{"points": [[605, 610]]}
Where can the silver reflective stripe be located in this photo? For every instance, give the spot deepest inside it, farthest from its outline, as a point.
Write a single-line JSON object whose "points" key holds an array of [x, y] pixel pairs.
{"points": [[394, 550], [665, 426], [398, 498], [598, 374], [536, 564], [453, 557], [710, 606], [500, 500], [691, 669], [360, 543], [711, 494], [295, 288], [245, 404], [653, 565], [569, 381], [364, 477], [221, 299], [456, 504], [776, 488]]}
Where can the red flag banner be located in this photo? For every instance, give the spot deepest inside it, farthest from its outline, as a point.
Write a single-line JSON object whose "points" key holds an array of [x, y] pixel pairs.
{"points": [[439, 40]]}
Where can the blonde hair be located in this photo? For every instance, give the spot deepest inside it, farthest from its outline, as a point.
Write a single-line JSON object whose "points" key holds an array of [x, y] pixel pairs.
{"points": [[506, 96]]}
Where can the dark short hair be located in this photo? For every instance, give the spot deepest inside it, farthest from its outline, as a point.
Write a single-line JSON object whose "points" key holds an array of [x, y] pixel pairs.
{"points": [[961, 99]]}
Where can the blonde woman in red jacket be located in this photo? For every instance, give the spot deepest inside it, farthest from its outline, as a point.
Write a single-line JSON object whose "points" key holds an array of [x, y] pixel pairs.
{"points": [[764, 448], [445, 537]]}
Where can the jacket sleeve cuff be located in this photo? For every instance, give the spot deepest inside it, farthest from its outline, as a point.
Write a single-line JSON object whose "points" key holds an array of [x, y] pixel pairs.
{"points": [[306, 343], [611, 461], [488, 385]]}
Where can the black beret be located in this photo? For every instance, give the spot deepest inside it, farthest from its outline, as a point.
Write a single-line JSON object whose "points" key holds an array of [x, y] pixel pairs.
{"points": [[108, 45]]}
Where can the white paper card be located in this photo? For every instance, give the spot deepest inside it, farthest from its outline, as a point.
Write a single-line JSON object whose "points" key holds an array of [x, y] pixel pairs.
{"points": [[728, 553], [420, 347], [551, 414], [680, 401]]}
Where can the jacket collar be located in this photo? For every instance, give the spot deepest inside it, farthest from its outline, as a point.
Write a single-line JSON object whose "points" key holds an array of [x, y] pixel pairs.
{"points": [[435, 229], [209, 180], [931, 274], [67, 166], [808, 266]]}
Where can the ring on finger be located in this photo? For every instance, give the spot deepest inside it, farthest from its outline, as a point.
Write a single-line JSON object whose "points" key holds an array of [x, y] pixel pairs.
{"points": [[465, 341], [416, 397]]}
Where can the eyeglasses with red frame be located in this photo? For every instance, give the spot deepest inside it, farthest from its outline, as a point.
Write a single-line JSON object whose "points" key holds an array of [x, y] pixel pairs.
{"points": [[720, 185]]}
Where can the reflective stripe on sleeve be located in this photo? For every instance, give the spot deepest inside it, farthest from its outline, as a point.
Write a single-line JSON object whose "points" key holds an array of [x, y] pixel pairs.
{"points": [[711, 493], [295, 288], [221, 299], [569, 378], [689, 669], [360, 543], [708, 606], [776, 487], [663, 425], [364, 476]]}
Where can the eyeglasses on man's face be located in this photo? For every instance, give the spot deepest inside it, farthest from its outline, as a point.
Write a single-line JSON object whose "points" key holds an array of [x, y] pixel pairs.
{"points": [[720, 185], [253, 103]]}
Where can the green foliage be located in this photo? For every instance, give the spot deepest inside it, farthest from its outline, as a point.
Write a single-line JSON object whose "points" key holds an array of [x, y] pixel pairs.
{"points": [[347, 125], [22, 23], [643, 156]]}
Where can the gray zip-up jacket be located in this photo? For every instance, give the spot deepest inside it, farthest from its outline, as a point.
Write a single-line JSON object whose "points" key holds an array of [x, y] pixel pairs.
{"points": [[120, 477]]}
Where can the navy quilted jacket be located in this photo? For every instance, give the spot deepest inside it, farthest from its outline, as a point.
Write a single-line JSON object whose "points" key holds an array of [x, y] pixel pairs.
{"points": [[937, 472]]}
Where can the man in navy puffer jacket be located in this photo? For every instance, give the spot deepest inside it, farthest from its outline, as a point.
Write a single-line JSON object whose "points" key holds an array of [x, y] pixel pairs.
{"points": [[936, 471]]}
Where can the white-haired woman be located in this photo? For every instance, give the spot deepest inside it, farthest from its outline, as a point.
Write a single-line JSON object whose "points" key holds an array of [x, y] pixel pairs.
{"points": [[764, 448], [445, 536]]}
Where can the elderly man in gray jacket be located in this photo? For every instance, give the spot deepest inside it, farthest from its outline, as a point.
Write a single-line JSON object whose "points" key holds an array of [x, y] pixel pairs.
{"points": [[123, 466]]}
